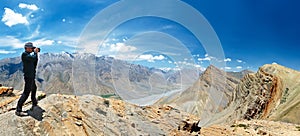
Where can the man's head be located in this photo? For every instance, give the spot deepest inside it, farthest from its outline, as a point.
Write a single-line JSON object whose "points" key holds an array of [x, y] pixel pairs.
{"points": [[29, 47]]}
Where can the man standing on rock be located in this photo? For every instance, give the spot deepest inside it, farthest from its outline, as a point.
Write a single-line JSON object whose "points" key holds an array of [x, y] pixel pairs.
{"points": [[29, 60]]}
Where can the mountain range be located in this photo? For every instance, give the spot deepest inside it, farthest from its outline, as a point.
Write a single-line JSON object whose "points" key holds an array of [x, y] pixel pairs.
{"points": [[80, 74], [213, 102], [54, 74]]}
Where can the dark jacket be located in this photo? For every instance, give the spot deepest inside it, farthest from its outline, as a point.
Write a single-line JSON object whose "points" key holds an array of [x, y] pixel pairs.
{"points": [[29, 64]]}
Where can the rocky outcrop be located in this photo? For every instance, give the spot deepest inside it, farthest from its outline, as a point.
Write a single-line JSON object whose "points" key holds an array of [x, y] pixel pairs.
{"points": [[93, 115], [211, 93], [258, 94], [6, 90], [272, 93], [90, 115], [8, 102]]}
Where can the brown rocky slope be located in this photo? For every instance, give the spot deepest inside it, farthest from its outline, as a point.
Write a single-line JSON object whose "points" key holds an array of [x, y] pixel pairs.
{"points": [[271, 94], [89, 115], [212, 91]]}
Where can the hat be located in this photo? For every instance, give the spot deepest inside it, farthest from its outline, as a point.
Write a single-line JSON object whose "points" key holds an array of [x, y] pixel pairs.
{"points": [[29, 45]]}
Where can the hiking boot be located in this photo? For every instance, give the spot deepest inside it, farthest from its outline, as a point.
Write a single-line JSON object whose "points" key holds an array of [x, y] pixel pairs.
{"points": [[32, 107], [21, 113]]}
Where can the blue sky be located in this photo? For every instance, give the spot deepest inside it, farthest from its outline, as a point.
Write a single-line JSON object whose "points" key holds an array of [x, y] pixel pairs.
{"points": [[252, 32]]}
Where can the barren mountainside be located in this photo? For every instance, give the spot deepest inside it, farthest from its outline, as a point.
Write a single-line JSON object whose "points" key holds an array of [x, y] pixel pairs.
{"points": [[272, 94], [213, 91]]}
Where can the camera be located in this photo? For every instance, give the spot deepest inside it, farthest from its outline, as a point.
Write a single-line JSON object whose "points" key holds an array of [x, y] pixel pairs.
{"points": [[39, 49]]}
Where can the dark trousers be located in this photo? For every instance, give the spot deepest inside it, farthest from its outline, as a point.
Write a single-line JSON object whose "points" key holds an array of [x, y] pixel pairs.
{"points": [[30, 86]]}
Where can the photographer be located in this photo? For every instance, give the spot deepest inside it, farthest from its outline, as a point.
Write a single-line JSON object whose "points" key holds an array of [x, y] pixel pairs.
{"points": [[29, 61]]}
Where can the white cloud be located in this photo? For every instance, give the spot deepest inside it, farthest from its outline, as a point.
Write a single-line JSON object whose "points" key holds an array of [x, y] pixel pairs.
{"points": [[43, 42], [190, 65], [210, 58], [165, 69], [10, 41], [239, 67], [28, 6], [227, 59], [151, 58], [6, 52], [201, 68], [228, 68], [197, 67], [239, 61], [11, 18], [121, 47], [207, 58], [123, 56], [63, 20]]}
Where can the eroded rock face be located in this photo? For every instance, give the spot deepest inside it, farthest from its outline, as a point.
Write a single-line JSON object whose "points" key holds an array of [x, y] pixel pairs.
{"points": [[272, 93], [258, 94]]}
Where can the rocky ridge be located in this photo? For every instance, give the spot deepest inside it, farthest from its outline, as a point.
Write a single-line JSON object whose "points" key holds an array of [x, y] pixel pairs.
{"points": [[269, 94], [93, 115], [90, 115], [213, 89]]}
